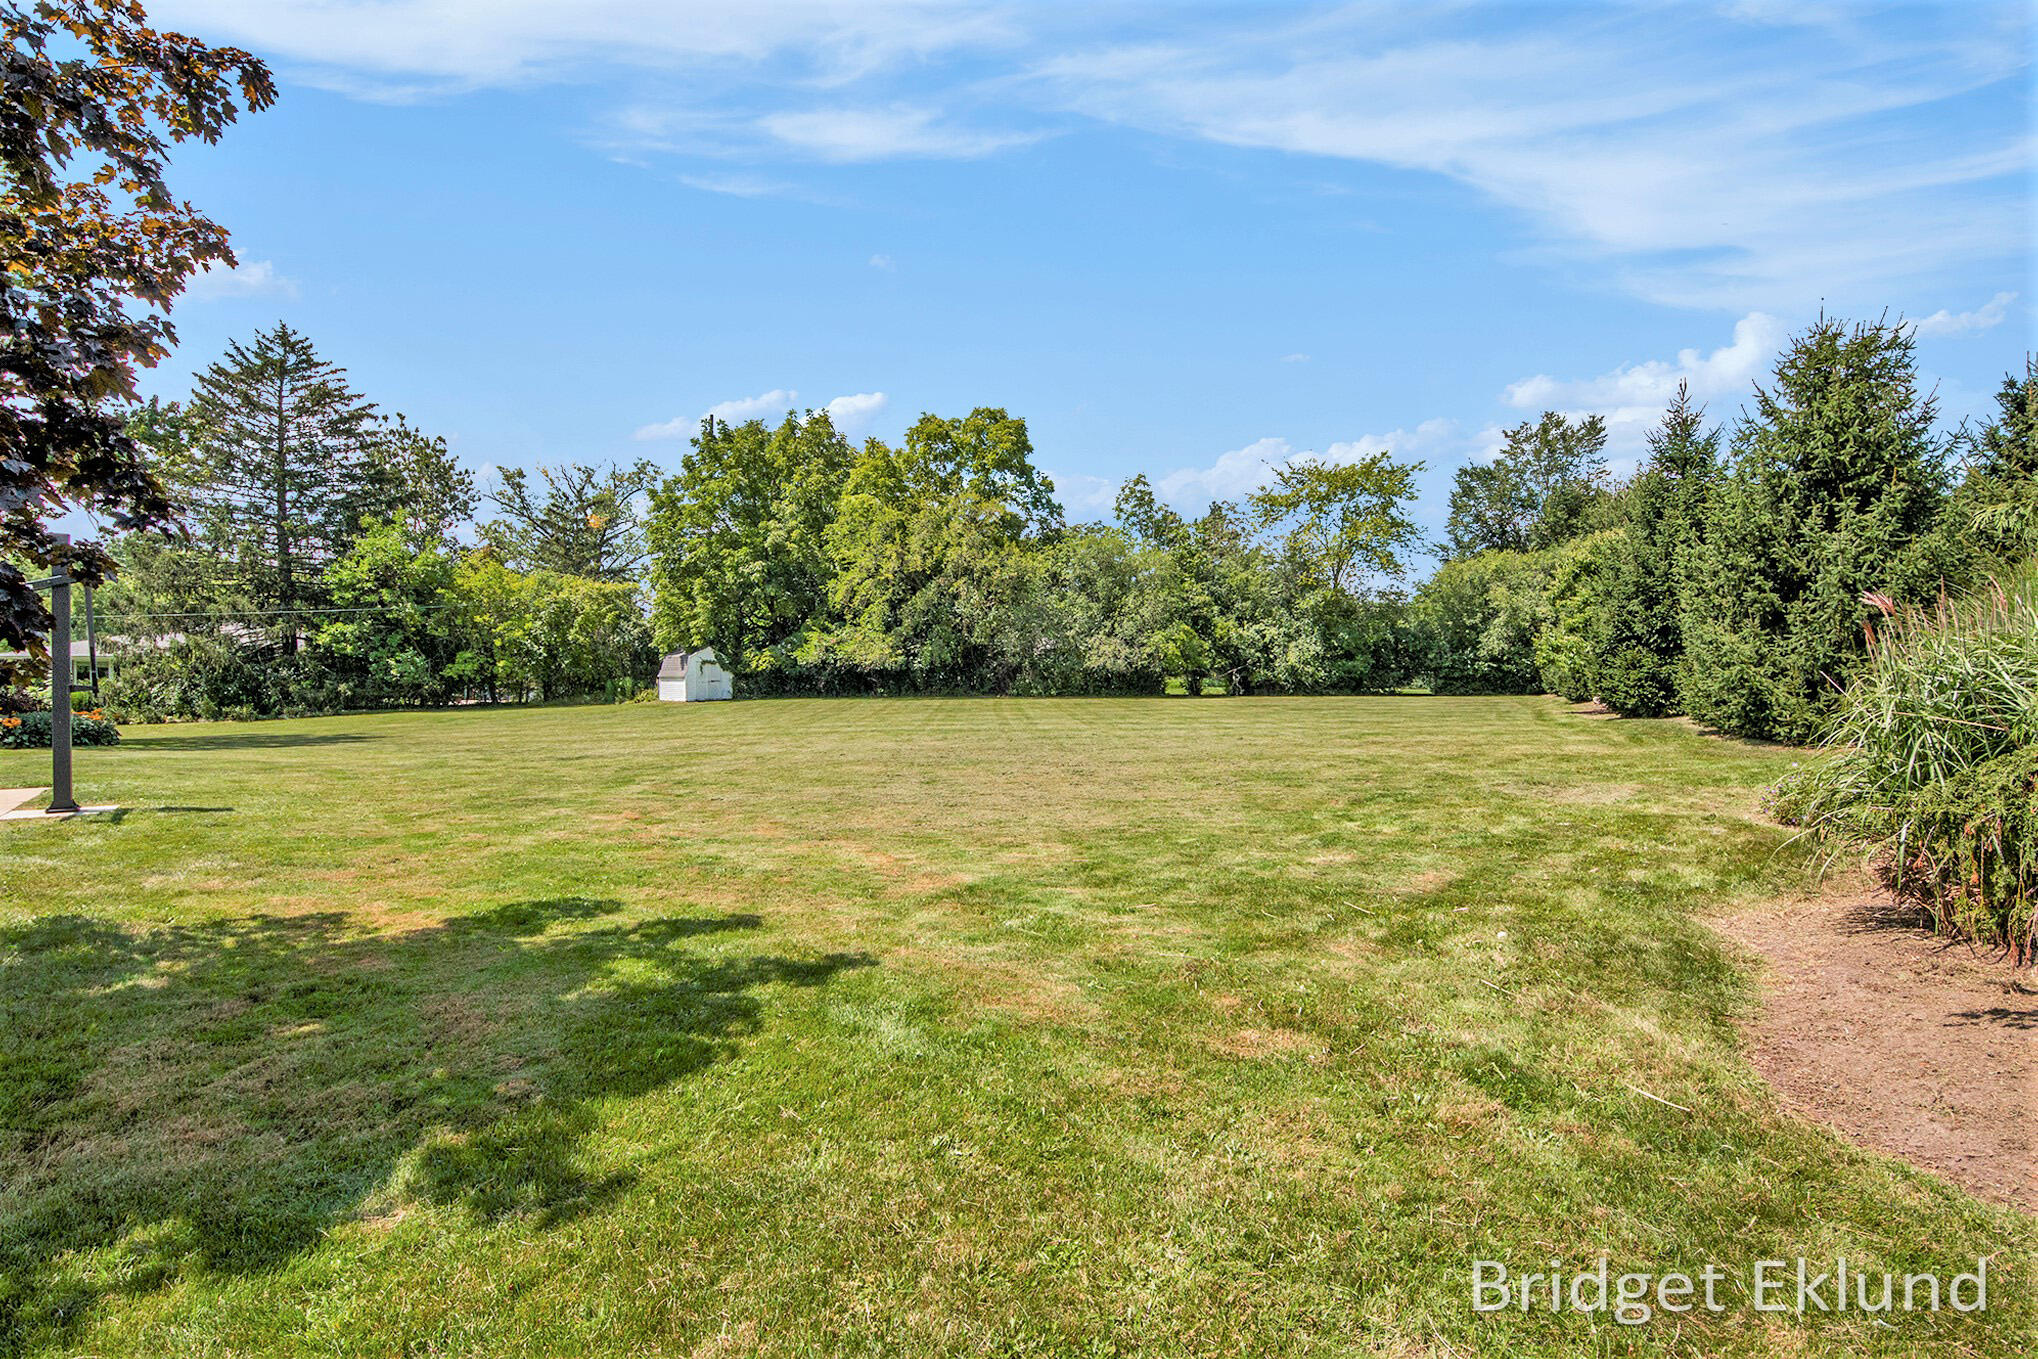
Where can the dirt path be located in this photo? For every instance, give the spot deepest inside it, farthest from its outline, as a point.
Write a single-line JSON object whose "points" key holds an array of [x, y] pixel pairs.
{"points": [[1908, 1044]]}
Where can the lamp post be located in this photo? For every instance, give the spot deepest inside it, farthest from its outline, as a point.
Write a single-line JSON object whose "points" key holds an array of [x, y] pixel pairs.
{"points": [[59, 585]]}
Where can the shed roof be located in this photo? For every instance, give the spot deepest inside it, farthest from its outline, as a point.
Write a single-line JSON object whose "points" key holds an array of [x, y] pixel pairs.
{"points": [[674, 666]]}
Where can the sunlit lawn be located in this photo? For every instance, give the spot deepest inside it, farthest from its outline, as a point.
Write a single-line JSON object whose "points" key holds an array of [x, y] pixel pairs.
{"points": [[1220, 1026]]}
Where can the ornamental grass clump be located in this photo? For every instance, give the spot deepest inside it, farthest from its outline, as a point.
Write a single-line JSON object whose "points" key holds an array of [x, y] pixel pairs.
{"points": [[1931, 764]]}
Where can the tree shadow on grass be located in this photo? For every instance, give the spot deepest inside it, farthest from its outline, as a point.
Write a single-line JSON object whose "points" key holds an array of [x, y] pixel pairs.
{"points": [[218, 1096], [239, 740]]}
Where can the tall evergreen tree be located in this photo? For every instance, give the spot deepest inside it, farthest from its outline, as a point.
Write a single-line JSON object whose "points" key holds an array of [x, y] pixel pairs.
{"points": [[2007, 447], [1836, 484], [282, 446], [1661, 516], [1997, 504]]}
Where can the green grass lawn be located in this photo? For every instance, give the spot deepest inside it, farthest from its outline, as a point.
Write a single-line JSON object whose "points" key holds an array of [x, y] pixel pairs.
{"points": [[1232, 1026]]}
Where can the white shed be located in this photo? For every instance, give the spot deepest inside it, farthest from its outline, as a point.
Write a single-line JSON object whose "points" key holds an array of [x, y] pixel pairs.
{"points": [[693, 677]]}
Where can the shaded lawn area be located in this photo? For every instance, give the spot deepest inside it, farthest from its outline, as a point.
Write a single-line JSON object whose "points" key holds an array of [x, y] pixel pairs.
{"points": [[1027, 1027]]}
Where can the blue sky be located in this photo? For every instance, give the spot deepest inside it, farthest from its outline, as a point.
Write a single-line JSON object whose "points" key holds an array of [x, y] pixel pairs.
{"points": [[1182, 239]]}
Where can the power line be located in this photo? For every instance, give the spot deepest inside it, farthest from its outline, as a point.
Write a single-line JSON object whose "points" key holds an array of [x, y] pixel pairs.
{"points": [[279, 613]]}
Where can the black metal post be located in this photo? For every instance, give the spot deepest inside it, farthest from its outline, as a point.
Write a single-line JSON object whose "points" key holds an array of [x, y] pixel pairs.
{"points": [[61, 677]]}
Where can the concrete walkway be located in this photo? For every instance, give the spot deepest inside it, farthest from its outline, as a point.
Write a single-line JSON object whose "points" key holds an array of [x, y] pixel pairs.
{"points": [[11, 808]]}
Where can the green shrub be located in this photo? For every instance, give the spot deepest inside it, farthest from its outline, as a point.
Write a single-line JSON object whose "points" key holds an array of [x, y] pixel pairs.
{"points": [[1933, 759], [31, 731], [1473, 624]]}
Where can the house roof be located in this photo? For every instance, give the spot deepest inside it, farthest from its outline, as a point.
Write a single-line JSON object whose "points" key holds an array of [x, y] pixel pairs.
{"points": [[81, 649]]}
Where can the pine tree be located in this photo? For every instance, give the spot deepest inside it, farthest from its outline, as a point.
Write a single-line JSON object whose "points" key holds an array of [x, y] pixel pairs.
{"points": [[2007, 447], [1662, 512], [1996, 507], [283, 446], [1836, 485]]}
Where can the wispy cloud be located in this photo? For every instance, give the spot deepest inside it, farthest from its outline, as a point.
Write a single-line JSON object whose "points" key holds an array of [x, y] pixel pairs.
{"points": [[252, 278], [1741, 156], [864, 134], [1709, 172], [1988, 315], [422, 48], [883, 262], [737, 186]]}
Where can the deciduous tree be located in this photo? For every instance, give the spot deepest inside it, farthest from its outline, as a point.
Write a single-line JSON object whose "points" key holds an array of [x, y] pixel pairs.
{"points": [[1536, 493], [588, 521], [738, 537], [96, 248]]}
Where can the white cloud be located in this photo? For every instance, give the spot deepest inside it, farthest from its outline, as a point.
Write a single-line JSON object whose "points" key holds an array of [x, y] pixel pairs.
{"points": [[736, 186], [862, 134], [1989, 314], [1233, 474], [1728, 370], [1082, 494], [1747, 155], [765, 405], [854, 413], [1244, 470], [679, 427], [883, 262], [1633, 396], [254, 278], [1294, 358], [850, 413]]}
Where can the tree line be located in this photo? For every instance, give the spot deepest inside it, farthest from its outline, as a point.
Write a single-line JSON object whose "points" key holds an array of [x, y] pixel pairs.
{"points": [[946, 565], [331, 558], [1729, 578], [339, 557], [1736, 575], [282, 545]]}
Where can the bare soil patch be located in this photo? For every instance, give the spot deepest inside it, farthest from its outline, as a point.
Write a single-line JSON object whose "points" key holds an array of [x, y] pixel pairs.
{"points": [[1910, 1044]]}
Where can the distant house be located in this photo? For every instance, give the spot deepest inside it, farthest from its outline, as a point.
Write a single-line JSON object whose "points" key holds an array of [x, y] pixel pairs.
{"points": [[693, 677], [81, 663]]}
